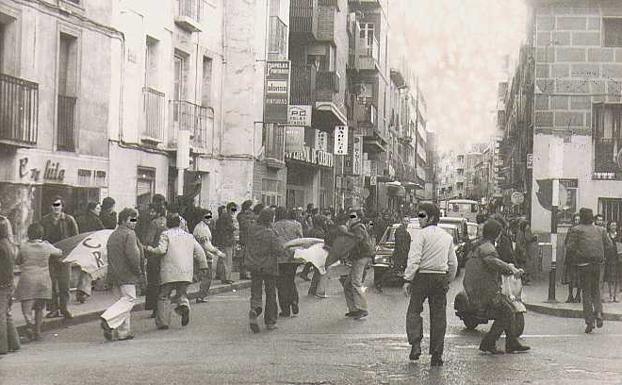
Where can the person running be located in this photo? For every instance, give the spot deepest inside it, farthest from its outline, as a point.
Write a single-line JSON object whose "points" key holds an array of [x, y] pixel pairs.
{"points": [[587, 243], [203, 235], [432, 264], [124, 273], [287, 229]]}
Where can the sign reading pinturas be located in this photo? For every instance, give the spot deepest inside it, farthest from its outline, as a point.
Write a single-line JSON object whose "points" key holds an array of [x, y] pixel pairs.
{"points": [[276, 98]]}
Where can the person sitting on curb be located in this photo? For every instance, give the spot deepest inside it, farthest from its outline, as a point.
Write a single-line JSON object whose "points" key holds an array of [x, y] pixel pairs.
{"points": [[482, 283]]}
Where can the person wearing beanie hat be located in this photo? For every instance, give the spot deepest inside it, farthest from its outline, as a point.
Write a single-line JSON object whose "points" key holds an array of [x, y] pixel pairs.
{"points": [[431, 266], [586, 244], [482, 284]]}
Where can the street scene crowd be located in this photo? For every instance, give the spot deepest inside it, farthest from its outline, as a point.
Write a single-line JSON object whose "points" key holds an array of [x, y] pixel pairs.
{"points": [[166, 247]]}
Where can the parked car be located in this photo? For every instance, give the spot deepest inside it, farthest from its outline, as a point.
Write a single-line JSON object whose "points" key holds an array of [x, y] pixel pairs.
{"points": [[460, 245], [384, 249], [461, 224]]}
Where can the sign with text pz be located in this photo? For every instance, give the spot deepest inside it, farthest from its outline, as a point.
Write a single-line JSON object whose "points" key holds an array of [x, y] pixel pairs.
{"points": [[341, 140], [299, 116], [276, 98]]}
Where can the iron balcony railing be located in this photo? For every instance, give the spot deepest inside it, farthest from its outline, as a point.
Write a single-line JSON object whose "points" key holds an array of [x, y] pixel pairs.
{"points": [[304, 18], [274, 141], [369, 54], [66, 123], [328, 80], [154, 105], [196, 119], [189, 8], [19, 107]]}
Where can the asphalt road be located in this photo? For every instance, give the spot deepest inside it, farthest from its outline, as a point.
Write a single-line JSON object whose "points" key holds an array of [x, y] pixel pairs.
{"points": [[319, 346]]}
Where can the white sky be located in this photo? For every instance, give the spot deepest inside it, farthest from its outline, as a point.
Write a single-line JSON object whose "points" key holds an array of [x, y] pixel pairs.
{"points": [[456, 47]]}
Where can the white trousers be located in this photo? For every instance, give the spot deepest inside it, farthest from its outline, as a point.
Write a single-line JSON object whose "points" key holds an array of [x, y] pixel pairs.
{"points": [[118, 315]]}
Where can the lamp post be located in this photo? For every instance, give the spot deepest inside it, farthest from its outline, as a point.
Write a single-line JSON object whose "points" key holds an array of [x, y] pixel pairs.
{"points": [[557, 165]]}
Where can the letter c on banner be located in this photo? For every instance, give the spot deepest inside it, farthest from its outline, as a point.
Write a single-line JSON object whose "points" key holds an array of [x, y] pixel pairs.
{"points": [[86, 243]]}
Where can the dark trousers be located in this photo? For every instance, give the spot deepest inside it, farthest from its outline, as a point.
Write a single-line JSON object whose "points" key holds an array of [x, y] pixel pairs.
{"points": [[153, 283], [180, 299], [205, 279], [60, 274], [260, 282], [590, 285], [433, 287], [242, 262], [502, 312], [286, 287]]}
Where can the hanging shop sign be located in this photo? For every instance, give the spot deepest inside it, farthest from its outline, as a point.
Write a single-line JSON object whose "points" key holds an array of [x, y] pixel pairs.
{"points": [[299, 116], [341, 140], [354, 159], [321, 140], [294, 138], [276, 96], [529, 161], [313, 156]]}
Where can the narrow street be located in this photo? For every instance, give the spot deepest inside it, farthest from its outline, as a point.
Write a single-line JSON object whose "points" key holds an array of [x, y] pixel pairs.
{"points": [[320, 346]]}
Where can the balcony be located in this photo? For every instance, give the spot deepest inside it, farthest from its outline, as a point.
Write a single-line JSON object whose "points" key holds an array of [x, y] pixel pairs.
{"points": [[187, 15], [273, 139], [354, 41], [373, 139], [303, 80], [303, 20], [327, 15], [196, 119], [369, 54], [328, 81], [277, 43], [66, 121], [19, 107], [154, 105]]}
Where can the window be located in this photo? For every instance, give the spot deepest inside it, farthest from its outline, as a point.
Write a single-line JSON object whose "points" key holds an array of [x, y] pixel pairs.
{"points": [[612, 32], [568, 200], [84, 177], [206, 92], [151, 63], [611, 208], [270, 192], [9, 57], [145, 186], [607, 138], [180, 69], [67, 90], [367, 34]]}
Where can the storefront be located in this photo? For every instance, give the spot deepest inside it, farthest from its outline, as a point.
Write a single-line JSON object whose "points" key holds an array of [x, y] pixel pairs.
{"points": [[310, 178], [32, 178]]}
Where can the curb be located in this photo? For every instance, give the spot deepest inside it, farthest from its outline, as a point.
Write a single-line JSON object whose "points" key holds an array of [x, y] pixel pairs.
{"points": [[568, 313], [59, 323]]}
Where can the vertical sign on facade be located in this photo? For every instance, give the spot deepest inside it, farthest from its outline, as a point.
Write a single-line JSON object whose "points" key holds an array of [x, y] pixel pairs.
{"points": [[276, 98], [294, 138], [321, 140], [357, 155], [341, 140]]}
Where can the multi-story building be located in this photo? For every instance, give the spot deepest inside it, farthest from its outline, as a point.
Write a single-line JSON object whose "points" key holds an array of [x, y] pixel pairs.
{"points": [[59, 99], [576, 53], [318, 53]]}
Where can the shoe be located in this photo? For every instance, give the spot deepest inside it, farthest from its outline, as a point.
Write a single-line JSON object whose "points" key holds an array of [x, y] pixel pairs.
{"points": [[53, 314], [163, 327], [360, 314], [271, 327], [599, 323], [67, 315], [127, 338], [589, 328], [284, 314], [227, 282], [252, 318], [350, 314], [517, 347], [201, 300], [492, 349], [436, 361], [107, 330], [295, 309], [184, 312], [415, 353]]}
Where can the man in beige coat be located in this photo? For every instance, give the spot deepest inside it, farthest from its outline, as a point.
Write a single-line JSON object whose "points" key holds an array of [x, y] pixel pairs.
{"points": [[179, 249]]}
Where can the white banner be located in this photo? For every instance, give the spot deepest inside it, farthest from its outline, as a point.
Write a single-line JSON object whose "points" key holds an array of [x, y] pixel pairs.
{"points": [[341, 140], [294, 138]]}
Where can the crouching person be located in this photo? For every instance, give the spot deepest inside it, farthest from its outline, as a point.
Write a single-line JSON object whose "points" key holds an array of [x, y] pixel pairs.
{"points": [[179, 249], [124, 273], [482, 283]]}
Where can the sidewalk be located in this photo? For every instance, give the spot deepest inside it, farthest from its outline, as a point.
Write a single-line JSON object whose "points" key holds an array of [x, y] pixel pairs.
{"points": [[100, 300], [536, 294]]}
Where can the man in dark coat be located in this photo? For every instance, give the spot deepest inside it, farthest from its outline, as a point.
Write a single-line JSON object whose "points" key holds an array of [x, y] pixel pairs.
{"points": [[124, 273], [245, 218], [107, 215], [224, 239], [482, 283], [400, 254], [58, 226], [587, 244], [154, 229], [264, 251]]}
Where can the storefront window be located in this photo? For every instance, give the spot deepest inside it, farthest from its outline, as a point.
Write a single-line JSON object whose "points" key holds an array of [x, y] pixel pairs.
{"points": [[145, 186], [270, 192]]}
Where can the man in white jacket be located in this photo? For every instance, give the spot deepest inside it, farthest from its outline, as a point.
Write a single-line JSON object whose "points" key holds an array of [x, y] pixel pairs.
{"points": [[179, 249], [431, 266]]}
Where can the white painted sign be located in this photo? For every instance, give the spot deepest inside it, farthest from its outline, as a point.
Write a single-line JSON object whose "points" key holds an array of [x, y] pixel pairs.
{"points": [[341, 140], [299, 116]]}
